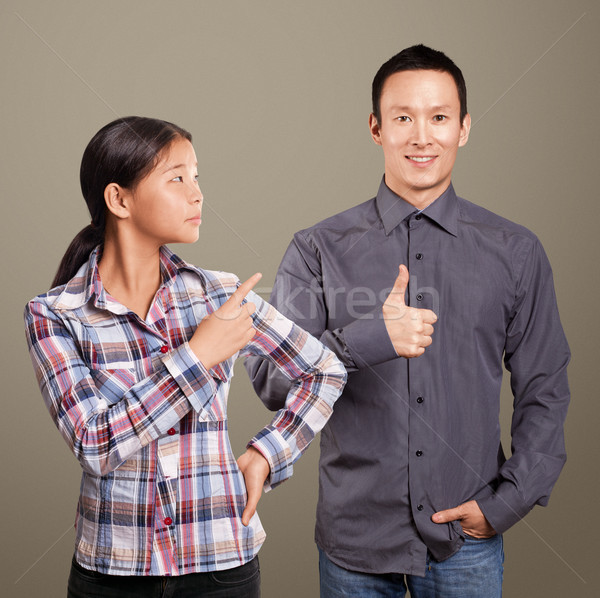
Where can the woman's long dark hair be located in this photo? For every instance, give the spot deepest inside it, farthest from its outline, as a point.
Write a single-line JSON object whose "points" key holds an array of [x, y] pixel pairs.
{"points": [[122, 152]]}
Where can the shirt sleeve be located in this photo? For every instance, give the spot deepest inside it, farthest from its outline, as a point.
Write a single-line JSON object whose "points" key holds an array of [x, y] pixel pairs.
{"points": [[536, 355], [315, 380], [106, 416], [299, 295]]}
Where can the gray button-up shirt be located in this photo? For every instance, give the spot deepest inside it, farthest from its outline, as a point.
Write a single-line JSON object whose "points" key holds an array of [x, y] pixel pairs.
{"points": [[411, 437]]}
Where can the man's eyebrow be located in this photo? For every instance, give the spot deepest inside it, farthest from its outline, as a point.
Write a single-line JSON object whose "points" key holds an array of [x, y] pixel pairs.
{"points": [[432, 108]]}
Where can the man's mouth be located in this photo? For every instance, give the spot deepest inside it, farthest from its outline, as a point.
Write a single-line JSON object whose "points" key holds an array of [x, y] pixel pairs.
{"points": [[421, 159]]}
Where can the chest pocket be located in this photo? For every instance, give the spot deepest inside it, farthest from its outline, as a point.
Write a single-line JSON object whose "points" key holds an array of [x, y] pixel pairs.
{"points": [[112, 356]]}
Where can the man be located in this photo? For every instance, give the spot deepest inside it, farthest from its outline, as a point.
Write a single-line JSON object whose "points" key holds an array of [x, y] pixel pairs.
{"points": [[415, 488]]}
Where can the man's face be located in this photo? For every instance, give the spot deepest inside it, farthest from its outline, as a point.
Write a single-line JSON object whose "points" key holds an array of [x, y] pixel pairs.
{"points": [[420, 132]]}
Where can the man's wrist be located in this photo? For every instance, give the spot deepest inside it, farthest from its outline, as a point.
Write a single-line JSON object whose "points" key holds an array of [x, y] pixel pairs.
{"points": [[368, 340]]}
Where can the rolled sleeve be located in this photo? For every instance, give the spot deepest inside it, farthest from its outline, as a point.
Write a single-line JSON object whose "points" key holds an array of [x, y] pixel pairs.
{"points": [[193, 379], [278, 454], [317, 379]]}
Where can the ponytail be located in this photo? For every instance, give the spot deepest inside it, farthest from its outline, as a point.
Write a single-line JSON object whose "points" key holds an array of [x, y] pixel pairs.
{"points": [[78, 253]]}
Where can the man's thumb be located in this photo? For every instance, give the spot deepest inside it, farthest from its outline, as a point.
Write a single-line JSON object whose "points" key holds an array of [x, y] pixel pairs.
{"points": [[401, 282]]}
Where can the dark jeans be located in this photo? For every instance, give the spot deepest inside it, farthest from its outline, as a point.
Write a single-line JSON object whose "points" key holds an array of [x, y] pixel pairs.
{"points": [[239, 582]]}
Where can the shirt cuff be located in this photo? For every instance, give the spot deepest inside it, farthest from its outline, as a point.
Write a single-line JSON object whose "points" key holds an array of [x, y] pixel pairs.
{"points": [[368, 341], [193, 379], [273, 447], [504, 507]]}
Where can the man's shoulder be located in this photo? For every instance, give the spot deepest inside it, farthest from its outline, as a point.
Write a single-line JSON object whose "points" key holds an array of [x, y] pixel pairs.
{"points": [[473, 215], [358, 216]]}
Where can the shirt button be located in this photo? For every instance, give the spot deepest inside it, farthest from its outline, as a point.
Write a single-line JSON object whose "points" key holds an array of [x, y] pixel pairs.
{"points": [[419, 507], [168, 521], [164, 349], [171, 431], [419, 453], [419, 296], [420, 400], [419, 256], [418, 217]]}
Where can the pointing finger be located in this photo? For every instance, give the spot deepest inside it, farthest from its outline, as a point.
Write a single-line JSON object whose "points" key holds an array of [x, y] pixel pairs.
{"points": [[240, 293]]}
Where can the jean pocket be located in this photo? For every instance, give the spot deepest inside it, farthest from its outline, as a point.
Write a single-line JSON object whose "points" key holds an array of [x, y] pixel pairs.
{"points": [[238, 575], [87, 574]]}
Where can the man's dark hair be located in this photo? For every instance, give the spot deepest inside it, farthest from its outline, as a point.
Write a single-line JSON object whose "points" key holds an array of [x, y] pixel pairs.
{"points": [[415, 58]]}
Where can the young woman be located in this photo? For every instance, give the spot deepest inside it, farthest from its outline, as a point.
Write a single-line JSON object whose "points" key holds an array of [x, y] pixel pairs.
{"points": [[133, 349]]}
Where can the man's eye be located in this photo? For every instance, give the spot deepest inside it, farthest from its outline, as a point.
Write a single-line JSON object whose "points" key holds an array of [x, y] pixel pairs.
{"points": [[403, 119], [439, 117]]}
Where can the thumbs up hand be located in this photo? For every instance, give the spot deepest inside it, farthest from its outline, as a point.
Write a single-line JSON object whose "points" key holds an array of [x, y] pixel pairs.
{"points": [[409, 328], [226, 330]]}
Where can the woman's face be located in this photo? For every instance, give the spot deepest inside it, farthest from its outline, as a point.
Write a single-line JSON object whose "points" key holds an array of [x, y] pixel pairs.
{"points": [[166, 205]]}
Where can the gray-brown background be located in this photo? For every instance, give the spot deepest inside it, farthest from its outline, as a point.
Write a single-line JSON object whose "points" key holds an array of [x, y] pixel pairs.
{"points": [[277, 96]]}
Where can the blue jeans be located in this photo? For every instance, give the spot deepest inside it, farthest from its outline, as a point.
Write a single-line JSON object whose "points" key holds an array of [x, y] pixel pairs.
{"points": [[239, 582], [475, 571]]}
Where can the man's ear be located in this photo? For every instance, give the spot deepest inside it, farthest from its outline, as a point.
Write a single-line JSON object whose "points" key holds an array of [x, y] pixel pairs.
{"points": [[117, 200], [464, 130], [374, 128]]}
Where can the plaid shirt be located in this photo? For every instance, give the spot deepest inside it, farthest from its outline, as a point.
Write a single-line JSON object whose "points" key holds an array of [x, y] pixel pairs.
{"points": [[161, 493]]}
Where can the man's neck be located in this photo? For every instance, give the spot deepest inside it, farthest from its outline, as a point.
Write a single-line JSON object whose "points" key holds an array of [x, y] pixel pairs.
{"points": [[419, 198]]}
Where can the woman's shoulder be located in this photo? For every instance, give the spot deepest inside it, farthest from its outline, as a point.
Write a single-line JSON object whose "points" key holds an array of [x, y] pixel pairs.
{"points": [[216, 283], [55, 298], [71, 294], [196, 277]]}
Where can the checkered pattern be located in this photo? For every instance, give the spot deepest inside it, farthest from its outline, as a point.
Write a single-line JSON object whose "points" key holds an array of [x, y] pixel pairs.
{"points": [[161, 493]]}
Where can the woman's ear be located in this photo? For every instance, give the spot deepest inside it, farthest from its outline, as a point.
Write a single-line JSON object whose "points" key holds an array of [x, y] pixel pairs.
{"points": [[117, 200]]}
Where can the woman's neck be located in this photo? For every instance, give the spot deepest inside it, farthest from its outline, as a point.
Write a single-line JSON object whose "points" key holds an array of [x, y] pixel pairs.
{"points": [[130, 273]]}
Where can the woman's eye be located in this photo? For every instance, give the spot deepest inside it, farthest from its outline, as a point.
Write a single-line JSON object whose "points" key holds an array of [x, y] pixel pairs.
{"points": [[179, 179]]}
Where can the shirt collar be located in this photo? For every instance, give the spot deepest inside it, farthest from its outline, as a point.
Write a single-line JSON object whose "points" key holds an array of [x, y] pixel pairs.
{"points": [[393, 209], [86, 285]]}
